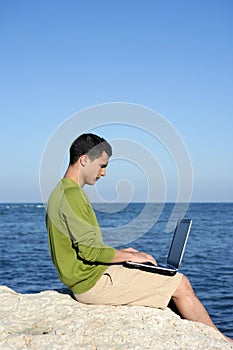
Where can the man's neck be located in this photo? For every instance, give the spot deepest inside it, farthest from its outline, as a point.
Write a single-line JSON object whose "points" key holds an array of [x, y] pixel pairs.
{"points": [[73, 174]]}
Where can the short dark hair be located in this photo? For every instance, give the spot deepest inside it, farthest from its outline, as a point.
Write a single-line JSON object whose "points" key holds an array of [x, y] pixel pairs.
{"points": [[90, 144]]}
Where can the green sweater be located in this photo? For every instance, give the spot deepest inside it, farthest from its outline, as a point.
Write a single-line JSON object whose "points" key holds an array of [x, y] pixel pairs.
{"points": [[76, 245]]}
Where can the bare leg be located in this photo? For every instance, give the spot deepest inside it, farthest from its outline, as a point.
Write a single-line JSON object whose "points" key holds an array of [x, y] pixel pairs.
{"points": [[190, 306]]}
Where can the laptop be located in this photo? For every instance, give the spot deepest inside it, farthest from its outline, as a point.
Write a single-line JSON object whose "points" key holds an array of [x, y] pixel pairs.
{"points": [[175, 255]]}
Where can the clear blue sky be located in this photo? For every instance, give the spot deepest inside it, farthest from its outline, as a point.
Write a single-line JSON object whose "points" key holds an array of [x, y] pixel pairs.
{"points": [[59, 57]]}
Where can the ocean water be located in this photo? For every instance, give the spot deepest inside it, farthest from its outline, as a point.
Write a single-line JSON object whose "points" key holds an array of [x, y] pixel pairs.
{"points": [[26, 267]]}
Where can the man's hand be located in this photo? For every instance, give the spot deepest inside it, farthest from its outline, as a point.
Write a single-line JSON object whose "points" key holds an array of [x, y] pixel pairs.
{"points": [[141, 257], [131, 254], [132, 250]]}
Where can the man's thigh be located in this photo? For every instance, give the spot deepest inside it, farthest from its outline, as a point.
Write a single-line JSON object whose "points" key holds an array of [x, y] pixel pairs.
{"points": [[122, 286]]}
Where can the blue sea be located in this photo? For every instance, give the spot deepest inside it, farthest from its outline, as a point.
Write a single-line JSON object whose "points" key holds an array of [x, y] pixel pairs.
{"points": [[26, 267]]}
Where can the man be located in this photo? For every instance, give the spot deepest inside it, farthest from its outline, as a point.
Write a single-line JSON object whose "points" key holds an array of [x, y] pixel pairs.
{"points": [[93, 270]]}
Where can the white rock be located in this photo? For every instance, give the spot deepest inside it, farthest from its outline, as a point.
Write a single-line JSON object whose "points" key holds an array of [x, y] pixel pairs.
{"points": [[52, 320]]}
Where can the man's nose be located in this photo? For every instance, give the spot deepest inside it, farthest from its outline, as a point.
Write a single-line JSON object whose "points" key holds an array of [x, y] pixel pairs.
{"points": [[103, 172]]}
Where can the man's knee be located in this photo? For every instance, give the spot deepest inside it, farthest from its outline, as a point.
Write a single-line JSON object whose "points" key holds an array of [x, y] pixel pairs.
{"points": [[184, 288]]}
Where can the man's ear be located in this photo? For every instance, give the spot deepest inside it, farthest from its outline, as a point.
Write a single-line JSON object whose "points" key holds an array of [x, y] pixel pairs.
{"points": [[83, 160]]}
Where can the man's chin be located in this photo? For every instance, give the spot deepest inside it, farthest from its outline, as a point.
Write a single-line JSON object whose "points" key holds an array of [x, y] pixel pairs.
{"points": [[91, 183]]}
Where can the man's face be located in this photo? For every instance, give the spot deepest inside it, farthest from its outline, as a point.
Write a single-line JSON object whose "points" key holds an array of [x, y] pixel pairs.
{"points": [[95, 169]]}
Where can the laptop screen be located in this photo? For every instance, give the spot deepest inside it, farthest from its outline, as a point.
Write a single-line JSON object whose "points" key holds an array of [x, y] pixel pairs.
{"points": [[178, 243]]}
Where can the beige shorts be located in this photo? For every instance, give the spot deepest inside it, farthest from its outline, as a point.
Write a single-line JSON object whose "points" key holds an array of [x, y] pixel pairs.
{"points": [[122, 286]]}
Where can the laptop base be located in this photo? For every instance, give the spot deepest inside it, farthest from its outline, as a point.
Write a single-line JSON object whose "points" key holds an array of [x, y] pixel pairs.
{"points": [[151, 268]]}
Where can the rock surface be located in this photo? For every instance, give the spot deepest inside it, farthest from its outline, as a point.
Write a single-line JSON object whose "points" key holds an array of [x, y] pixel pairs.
{"points": [[53, 320]]}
